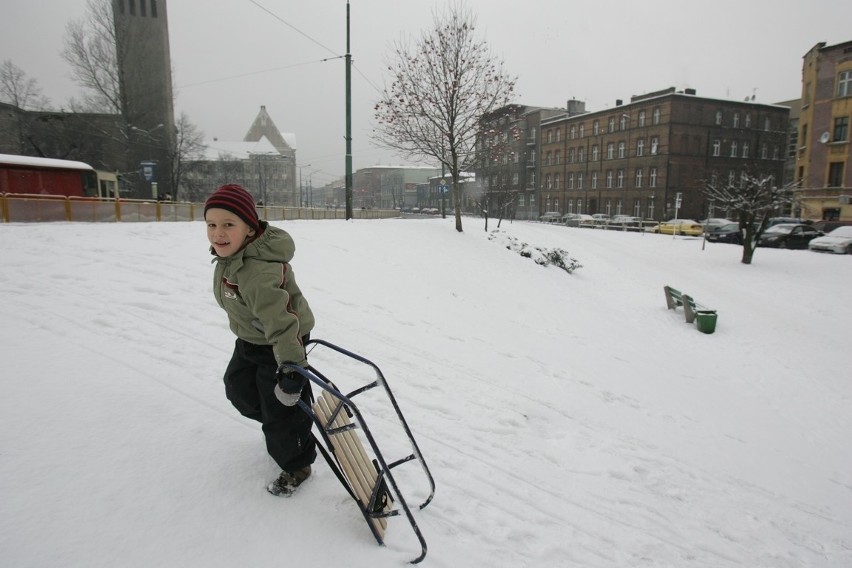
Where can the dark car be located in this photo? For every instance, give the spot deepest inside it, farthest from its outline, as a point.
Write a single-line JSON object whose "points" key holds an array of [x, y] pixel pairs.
{"points": [[788, 235], [728, 233]]}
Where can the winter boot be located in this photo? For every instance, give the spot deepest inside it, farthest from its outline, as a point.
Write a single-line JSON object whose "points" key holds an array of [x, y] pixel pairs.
{"points": [[288, 481]]}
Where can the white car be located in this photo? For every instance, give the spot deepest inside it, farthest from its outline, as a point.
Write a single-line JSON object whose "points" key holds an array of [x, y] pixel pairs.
{"points": [[838, 241]]}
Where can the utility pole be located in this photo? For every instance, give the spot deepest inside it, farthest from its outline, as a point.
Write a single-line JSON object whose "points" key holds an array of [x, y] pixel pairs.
{"points": [[348, 121]]}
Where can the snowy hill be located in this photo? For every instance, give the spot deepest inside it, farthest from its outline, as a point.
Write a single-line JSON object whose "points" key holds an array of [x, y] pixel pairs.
{"points": [[569, 419]]}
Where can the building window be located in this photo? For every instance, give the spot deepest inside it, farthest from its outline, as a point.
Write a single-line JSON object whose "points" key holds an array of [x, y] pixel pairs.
{"points": [[515, 179], [611, 124], [652, 177], [594, 180], [619, 181], [745, 149], [549, 136], [556, 204], [844, 84], [766, 124], [736, 120], [142, 7], [835, 174], [609, 179], [555, 181], [609, 149], [547, 158], [595, 153], [841, 129], [582, 130], [153, 8], [570, 181], [570, 155], [622, 123], [579, 181], [748, 120], [636, 208], [718, 117], [547, 182], [521, 200], [581, 154], [655, 119], [655, 144], [639, 176], [717, 147], [641, 118], [732, 175], [775, 152], [573, 131], [559, 135], [621, 149], [764, 152], [640, 147], [558, 157], [734, 149], [132, 5], [596, 127]]}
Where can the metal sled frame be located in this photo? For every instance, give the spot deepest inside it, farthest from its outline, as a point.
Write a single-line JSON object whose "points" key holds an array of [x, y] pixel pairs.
{"points": [[370, 483]]}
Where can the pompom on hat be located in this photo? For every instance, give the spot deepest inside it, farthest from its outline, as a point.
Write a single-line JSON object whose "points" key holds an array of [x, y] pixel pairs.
{"points": [[237, 200]]}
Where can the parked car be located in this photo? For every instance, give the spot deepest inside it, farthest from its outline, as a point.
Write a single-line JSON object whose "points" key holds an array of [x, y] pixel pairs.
{"points": [[551, 217], [729, 233], [715, 222], [620, 222], [786, 220], [837, 241], [575, 219], [788, 235], [679, 227], [828, 226]]}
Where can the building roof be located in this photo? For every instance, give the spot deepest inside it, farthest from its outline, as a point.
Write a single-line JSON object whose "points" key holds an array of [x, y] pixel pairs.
{"points": [[32, 161], [237, 149]]}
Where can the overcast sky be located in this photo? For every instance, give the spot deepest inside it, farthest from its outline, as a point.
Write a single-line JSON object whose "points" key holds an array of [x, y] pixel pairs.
{"points": [[232, 56]]}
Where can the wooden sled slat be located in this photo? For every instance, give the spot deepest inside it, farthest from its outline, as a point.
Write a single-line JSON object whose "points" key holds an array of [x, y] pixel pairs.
{"points": [[353, 459]]}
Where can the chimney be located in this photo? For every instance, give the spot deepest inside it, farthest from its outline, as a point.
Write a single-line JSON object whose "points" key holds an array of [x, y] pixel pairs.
{"points": [[618, 102], [689, 91]]}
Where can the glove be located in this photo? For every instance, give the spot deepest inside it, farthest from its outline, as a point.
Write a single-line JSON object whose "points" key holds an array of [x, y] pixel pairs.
{"points": [[288, 389]]}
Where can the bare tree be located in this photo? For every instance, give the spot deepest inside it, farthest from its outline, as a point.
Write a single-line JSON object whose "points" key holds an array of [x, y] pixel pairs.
{"points": [[23, 93], [19, 90], [753, 199], [440, 88], [93, 52], [188, 147]]}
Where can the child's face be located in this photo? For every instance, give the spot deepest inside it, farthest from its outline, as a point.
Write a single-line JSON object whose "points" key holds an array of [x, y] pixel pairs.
{"points": [[226, 232]]}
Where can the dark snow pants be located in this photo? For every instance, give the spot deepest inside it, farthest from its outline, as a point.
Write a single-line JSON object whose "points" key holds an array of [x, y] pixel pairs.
{"points": [[249, 383]]}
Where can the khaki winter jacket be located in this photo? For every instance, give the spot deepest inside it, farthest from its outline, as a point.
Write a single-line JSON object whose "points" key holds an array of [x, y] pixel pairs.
{"points": [[257, 289]]}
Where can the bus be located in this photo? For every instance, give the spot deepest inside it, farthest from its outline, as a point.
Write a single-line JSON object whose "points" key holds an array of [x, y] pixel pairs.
{"points": [[49, 176]]}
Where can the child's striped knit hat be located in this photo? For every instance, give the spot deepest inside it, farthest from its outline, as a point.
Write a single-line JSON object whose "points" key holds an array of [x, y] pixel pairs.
{"points": [[237, 200]]}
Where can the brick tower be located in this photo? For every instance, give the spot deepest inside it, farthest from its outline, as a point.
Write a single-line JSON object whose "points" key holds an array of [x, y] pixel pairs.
{"points": [[144, 66]]}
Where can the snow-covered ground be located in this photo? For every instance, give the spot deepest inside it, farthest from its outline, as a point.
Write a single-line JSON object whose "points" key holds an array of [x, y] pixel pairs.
{"points": [[568, 419]]}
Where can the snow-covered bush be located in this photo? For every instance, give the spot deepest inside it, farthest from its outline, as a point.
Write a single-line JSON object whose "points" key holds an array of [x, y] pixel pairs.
{"points": [[545, 257]]}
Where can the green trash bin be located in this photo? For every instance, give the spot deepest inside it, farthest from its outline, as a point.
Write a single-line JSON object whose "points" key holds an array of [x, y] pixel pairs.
{"points": [[705, 320]]}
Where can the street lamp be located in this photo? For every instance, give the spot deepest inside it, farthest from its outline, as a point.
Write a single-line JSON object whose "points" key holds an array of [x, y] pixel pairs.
{"points": [[301, 199], [311, 187]]}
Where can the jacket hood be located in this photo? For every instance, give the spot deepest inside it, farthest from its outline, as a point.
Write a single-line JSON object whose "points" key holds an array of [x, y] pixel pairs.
{"points": [[273, 244]]}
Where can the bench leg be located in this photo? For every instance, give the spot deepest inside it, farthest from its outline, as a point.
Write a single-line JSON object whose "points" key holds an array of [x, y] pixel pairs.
{"points": [[688, 311]]}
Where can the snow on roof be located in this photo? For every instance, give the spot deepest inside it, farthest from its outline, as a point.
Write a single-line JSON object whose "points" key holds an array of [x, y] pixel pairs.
{"points": [[32, 161], [237, 149], [289, 138]]}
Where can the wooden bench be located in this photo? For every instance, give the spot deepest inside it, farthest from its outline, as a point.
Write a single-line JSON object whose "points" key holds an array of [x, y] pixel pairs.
{"points": [[676, 298]]}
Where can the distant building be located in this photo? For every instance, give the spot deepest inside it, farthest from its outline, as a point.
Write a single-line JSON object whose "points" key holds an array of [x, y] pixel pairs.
{"points": [[507, 163], [264, 162], [637, 158], [824, 154], [389, 187], [145, 79]]}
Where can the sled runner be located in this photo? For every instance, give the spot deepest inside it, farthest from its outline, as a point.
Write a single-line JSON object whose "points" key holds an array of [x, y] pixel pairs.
{"points": [[369, 480]]}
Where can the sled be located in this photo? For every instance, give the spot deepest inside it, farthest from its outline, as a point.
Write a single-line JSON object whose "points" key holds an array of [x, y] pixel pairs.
{"points": [[351, 450]]}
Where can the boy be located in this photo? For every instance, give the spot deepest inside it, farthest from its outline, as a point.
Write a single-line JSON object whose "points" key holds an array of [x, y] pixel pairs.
{"points": [[254, 283]]}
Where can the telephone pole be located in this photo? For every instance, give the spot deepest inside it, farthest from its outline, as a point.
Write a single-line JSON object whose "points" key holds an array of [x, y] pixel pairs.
{"points": [[348, 121]]}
